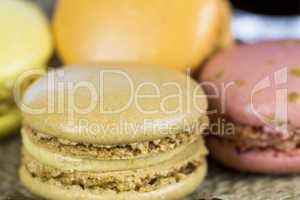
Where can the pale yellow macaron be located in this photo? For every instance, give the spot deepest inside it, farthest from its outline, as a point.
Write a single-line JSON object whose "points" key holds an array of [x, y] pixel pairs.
{"points": [[26, 44], [114, 132]]}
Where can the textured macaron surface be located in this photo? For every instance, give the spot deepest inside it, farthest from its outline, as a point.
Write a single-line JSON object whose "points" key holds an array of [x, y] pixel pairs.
{"points": [[142, 179], [111, 152], [174, 173], [257, 84], [114, 105]]}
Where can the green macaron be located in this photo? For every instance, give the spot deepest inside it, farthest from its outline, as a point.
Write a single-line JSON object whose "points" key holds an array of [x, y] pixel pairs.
{"points": [[26, 44]]}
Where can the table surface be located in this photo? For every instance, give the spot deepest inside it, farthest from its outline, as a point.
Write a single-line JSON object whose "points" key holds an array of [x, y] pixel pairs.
{"points": [[220, 183]]}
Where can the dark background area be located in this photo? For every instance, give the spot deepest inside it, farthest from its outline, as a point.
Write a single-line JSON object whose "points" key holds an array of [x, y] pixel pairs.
{"points": [[270, 7]]}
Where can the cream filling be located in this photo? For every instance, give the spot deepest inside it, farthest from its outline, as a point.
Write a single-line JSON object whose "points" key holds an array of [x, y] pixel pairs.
{"points": [[67, 163], [111, 152], [54, 190]]}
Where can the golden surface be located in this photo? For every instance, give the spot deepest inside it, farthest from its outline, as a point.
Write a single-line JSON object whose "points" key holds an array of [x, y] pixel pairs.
{"points": [[173, 33]]}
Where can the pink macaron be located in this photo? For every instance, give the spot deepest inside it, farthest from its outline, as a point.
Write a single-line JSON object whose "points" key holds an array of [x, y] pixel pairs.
{"points": [[254, 95]]}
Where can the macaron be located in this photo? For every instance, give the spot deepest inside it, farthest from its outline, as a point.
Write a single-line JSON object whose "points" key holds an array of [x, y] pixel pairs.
{"points": [[122, 132], [255, 106], [25, 44], [176, 34]]}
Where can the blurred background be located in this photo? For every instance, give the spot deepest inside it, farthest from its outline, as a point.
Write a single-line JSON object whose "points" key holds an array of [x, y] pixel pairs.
{"points": [[259, 20]]}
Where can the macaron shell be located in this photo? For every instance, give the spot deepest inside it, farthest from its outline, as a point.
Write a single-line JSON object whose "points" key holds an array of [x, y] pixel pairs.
{"points": [[173, 33], [174, 191], [138, 118], [25, 40], [267, 161], [10, 122], [240, 70]]}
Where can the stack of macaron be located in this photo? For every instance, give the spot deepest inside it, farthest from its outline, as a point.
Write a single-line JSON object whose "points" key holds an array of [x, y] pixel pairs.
{"points": [[257, 108], [21, 49], [85, 138]]}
